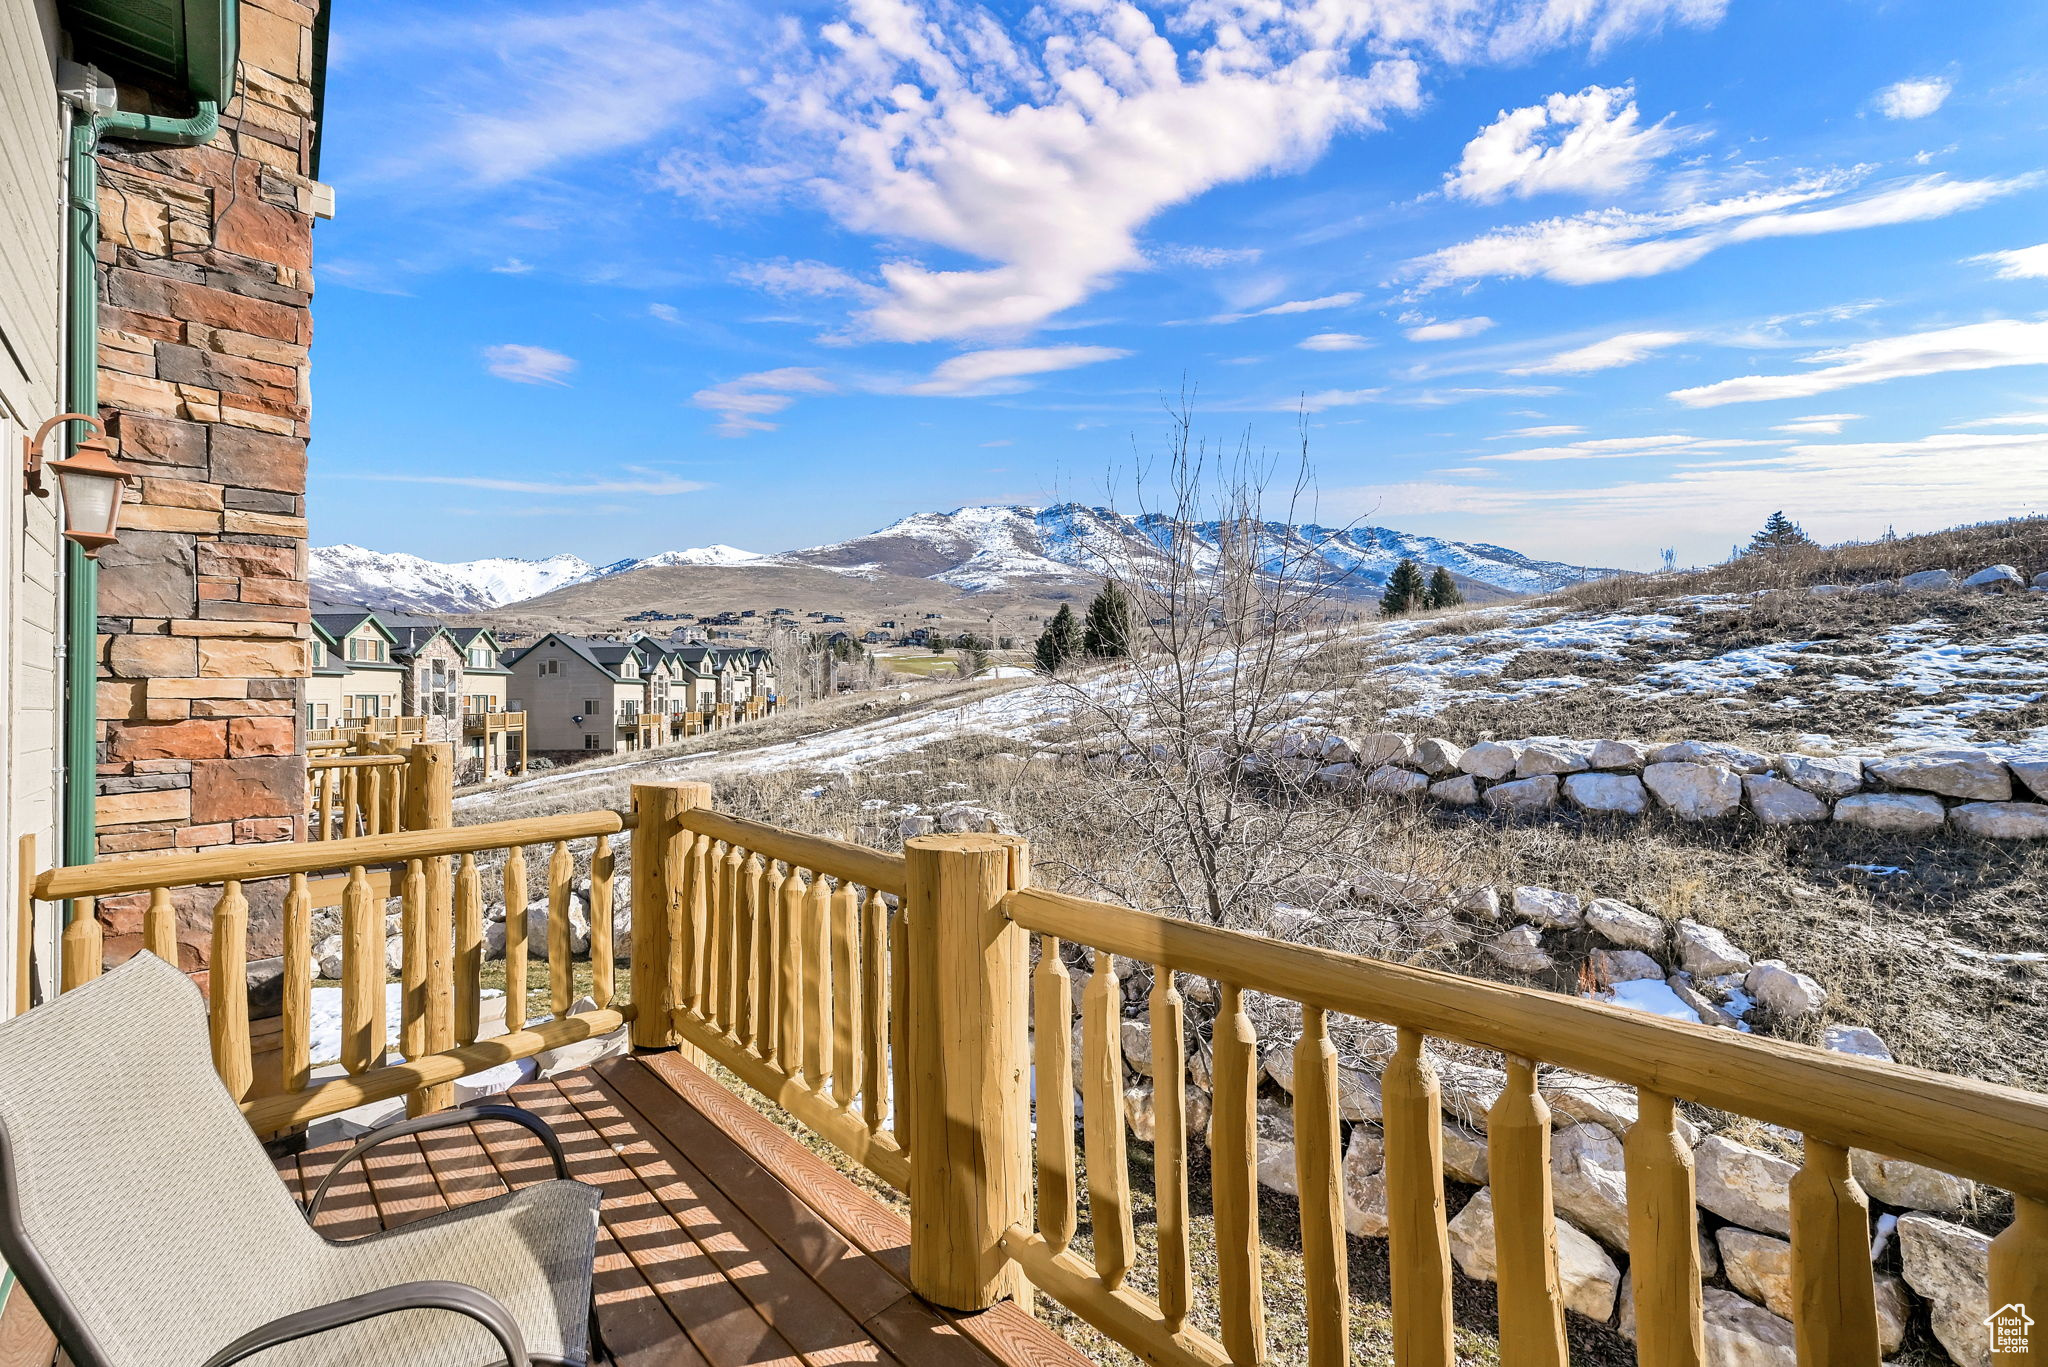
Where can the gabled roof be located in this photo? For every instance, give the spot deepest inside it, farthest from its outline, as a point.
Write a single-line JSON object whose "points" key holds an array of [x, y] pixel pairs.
{"points": [[599, 655]]}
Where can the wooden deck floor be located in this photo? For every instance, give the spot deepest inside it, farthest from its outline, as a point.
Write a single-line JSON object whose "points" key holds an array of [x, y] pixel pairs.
{"points": [[724, 1241]]}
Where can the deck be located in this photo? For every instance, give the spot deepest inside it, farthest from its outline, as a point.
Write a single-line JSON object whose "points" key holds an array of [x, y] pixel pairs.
{"points": [[724, 1240]]}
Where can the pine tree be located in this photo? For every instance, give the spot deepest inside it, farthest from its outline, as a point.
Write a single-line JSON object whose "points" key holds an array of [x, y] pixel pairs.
{"points": [[1442, 591], [1405, 590], [1779, 533], [1107, 632], [1060, 641]]}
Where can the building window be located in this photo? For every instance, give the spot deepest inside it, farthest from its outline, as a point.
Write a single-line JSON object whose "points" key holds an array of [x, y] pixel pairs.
{"points": [[367, 648], [591, 742]]}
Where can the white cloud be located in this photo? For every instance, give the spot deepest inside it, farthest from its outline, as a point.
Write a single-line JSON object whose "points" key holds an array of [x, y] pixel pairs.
{"points": [[2039, 419], [1912, 99], [1974, 346], [1622, 349], [1623, 448], [1591, 143], [667, 313], [1563, 429], [1207, 258], [512, 265], [1001, 370], [1040, 153], [1327, 399], [1319, 304], [1334, 341], [1818, 424], [814, 279], [1614, 244], [528, 364], [2021, 263], [745, 404], [1449, 330]]}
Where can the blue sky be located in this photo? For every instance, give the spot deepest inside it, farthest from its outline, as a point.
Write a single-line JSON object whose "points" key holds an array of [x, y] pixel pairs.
{"points": [[1587, 278]]}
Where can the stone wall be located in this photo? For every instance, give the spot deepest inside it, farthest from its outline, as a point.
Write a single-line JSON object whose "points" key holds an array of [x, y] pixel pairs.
{"points": [[205, 322], [1967, 791]]}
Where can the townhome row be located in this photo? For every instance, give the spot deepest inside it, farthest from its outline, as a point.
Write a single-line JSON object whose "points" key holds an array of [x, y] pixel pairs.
{"points": [[585, 696], [400, 676]]}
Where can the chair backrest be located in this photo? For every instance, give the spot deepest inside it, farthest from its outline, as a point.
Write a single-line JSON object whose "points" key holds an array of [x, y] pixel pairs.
{"points": [[137, 1207]]}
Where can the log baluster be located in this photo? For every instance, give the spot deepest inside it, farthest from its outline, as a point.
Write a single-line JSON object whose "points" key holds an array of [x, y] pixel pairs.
{"points": [[295, 1063], [603, 958], [469, 950], [561, 958], [1170, 1147], [1102, 1121], [844, 916], [874, 1010], [228, 991], [1834, 1300], [816, 968], [1316, 1157], [899, 1024], [516, 946], [1663, 1243], [1234, 1155], [1419, 1246], [1052, 1042], [362, 974], [160, 927], [1524, 1229]]}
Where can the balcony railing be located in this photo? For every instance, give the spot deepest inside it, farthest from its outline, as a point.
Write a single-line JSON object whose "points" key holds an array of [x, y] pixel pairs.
{"points": [[483, 723], [916, 1011]]}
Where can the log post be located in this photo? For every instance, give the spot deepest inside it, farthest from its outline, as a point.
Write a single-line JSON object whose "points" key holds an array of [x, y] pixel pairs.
{"points": [[660, 873], [967, 1024], [428, 799]]}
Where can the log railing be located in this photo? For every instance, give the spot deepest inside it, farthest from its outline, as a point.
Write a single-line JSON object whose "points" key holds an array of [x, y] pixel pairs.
{"points": [[440, 881], [901, 1005], [786, 954]]}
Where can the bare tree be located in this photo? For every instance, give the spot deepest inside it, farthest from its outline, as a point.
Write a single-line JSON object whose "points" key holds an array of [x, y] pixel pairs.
{"points": [[1234, 613]]}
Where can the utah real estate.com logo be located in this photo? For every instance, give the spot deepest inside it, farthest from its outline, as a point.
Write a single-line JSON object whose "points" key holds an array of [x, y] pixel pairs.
{"points": [[2009, 1325]]}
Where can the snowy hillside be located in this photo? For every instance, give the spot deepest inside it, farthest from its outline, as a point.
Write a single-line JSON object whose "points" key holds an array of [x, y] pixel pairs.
{"points": [[1002, 547], [975, 549], [393, 579]]}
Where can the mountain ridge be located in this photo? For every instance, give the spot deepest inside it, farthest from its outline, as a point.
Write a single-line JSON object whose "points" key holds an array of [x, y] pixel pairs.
{"points": [[976, 549]]}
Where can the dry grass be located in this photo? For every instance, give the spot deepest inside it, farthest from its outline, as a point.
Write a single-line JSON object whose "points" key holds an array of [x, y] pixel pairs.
{"points": [[2020, 542]]}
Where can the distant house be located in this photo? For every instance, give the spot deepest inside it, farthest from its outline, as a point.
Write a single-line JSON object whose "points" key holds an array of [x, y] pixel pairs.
{"points": [[491, 731], [874, 638], [887, 624], [585, 696], [356, 680], [747, 612], [830, 617]]}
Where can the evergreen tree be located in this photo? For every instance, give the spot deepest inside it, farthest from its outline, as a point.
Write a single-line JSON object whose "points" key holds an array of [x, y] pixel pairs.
{"points": [[1060, 641], [1779, 533], [1107, 632], [1405, 592], [1442, 591]]}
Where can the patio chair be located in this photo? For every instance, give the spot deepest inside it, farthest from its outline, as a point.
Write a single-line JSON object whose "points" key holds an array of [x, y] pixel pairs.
{"points": [[150, 1229]]}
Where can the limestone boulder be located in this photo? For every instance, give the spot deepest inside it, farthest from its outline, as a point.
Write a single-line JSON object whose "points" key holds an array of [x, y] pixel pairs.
{"points": [[1523, 795], [1779, 803], [1970, 775], [1489, 759], [1997, 579], [1548, 907], [1469, 1089], [1483, 902], [1141, 1111], [1365, 1183], [1576, 1097], [1823, 776], [1705, 952], [1393, 781], [1521, 949], [1437, 757], [1949, 1266], [1892, 813], [1712, 753], [578, 913], [1623, 965], [1336, 775], [1694, 792], [1911, 1186], [1616, 754], [1384, 747], [494, 940], [1587, 1277], [1615, 794], [1552, 757], [2033, 773], [1358, 1087], [914, 825], [1465, 1153], [1854, 1039], [327, 958], [1928, 580], [1621, 924], [1461, 791], [1739, 1332], [1587, 1183], [2001, 820], [1276, 1147], [394, 954], [1744, 1186], [1789, 994], [1760, 1267]]}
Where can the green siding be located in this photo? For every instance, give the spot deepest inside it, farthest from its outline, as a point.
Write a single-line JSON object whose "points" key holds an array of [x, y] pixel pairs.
{"points": [[188, 44]]}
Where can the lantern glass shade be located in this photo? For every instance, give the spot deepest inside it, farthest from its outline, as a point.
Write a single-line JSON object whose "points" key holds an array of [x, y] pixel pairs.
{"points": [[91, 485]]}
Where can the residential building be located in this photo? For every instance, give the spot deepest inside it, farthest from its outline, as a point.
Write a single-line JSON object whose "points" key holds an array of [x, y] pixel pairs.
{"points": [[362, 684], [161, 683], [581, 697], [492, 732]]}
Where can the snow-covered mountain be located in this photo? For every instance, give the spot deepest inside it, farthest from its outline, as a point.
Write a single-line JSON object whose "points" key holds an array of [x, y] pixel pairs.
{"points": [[408, 583], [1006, 547], [974, 549]]}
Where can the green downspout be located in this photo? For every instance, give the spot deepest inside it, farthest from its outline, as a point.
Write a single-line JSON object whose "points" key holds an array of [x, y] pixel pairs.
{"points": [[82, 395]]}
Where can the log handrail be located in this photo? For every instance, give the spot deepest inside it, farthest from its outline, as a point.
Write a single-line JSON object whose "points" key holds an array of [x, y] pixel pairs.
{"points": [[837, 858], [251, 862], [1980, 1130]]}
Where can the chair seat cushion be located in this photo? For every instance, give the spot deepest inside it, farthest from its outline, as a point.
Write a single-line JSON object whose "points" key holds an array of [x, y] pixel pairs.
{"points": [[529, 1249]]}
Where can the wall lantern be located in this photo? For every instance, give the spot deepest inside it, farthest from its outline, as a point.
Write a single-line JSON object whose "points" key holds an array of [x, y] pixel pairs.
{"points": [[91, 482]]}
